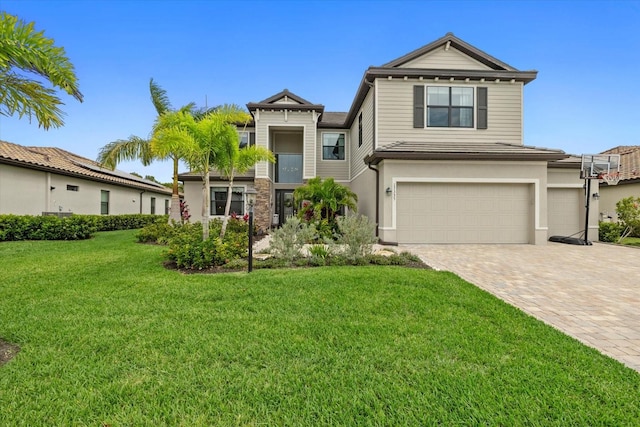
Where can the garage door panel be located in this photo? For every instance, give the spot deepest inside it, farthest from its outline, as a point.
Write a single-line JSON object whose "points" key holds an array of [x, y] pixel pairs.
{"points": [[565, 211], [463, 213]]}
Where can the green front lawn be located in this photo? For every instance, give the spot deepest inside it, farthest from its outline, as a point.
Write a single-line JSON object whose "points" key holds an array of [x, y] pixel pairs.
{"points": [[109, 337], [631, 241]]}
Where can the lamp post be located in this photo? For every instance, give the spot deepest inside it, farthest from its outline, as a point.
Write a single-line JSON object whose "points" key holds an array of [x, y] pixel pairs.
{"points": [[250, 195]]}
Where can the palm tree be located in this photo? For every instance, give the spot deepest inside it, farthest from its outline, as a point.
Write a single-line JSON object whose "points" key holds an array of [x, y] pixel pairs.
{"points": [[137, 148], [231, 159], [199, 143], [25, 49], [325, 199]]}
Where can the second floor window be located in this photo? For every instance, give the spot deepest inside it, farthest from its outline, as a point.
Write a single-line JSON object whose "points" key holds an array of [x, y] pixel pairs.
{"points": [[449, 107], [333, 146], [247, 139]]}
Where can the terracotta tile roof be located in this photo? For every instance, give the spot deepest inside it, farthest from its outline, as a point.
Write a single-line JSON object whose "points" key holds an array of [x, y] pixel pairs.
{"points": [[629, 160], [63, 162]]}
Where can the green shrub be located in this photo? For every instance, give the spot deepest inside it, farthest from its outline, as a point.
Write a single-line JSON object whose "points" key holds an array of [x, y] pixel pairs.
{"points": [[187, 249], [159, 232], [28, 227], [609, 232], [628, 210], [127, 221], [357, 234], [288, 240]]}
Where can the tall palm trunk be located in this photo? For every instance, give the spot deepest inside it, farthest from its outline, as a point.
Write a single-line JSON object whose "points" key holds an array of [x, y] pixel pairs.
{"points": [[206, 203], [174, 213], [227, 208]]}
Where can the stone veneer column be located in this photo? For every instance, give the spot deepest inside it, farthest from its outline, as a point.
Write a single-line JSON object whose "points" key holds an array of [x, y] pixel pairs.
{"points": [[262, 209]]}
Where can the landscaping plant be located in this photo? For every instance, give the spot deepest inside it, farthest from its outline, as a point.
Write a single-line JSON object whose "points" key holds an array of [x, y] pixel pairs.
{"points": [[628, 210]]}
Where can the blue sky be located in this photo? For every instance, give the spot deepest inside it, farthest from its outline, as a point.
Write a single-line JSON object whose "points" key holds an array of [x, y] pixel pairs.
{"points": [[586, 98]]}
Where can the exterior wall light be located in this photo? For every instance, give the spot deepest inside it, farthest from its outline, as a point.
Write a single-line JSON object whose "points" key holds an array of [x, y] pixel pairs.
{"points": [[596, 196], [388, 191]]}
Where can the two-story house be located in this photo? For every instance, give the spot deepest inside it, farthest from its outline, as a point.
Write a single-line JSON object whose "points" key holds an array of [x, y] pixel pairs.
{"points": [[432, 145]]}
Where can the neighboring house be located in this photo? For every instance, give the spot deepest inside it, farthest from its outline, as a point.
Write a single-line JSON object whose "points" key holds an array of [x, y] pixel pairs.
{"points": [[43, 180], [432, 145], [629, 184]]}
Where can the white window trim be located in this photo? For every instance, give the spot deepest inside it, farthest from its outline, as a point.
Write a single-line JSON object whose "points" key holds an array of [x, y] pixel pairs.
{"points": [[447, 128], [346, 144]]}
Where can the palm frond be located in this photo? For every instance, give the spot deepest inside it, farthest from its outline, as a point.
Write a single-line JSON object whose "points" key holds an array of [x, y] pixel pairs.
{"points": [[24, 48], [134, 148], [159, 98], [26, 97]]}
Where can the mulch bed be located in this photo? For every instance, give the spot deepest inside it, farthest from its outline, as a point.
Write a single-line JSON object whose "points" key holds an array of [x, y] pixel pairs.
{"points": [[7, 351]]}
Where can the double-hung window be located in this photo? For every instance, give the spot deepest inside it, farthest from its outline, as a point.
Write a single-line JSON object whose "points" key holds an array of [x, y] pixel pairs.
{"points": [[449, 107], [247, 139], [104, 202], [332, 146], [219, 200]]}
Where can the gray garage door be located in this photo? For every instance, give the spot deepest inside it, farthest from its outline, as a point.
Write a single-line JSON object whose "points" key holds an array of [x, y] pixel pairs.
{"points": [[565, 211], [463, 213]]}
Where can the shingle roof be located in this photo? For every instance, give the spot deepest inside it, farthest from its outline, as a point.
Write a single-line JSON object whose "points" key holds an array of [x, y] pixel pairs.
{"points": [[458, 151], [63, 162], [629, 160], [332, 119]]}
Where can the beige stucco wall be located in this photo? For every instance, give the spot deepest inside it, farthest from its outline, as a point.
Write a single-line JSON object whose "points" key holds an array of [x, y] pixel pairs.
{"points": [[610, 195], [532, 173], [29, 192], [395, 114]]}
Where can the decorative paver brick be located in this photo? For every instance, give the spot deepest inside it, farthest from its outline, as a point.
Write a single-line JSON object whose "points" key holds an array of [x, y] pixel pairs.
{"points": [[589, 292]]}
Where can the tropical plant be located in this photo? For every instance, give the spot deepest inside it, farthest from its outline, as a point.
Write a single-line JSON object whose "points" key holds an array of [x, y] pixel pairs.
{"points": [[22, 48], [321, 200], [230, 159], [199, 143], [137, 148], [628, 210]]}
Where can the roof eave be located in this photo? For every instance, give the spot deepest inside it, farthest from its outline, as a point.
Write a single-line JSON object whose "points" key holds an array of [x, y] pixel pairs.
{"points": [[377, 157]]}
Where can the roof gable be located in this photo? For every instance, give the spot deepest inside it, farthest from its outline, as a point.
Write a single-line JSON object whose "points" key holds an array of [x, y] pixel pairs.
{"points": [[285, 100], [285, 97], [445, 44], [445, 58]]}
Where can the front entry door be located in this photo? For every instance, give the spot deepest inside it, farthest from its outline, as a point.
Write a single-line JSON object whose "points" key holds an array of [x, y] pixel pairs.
{"points": [[285, 207]]}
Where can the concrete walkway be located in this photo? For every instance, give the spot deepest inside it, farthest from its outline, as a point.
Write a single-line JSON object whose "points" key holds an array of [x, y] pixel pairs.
{"points": [[589, 292]]}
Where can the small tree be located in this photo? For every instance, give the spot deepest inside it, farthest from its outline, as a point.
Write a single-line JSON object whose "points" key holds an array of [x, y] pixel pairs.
{"points": [[199, 143], [628, 210], [321, 201]]}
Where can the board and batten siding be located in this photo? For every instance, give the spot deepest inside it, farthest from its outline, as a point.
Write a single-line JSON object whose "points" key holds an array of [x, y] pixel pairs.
{"points": [[359, 153], [395, 114], [451, 59], [301, 120]]}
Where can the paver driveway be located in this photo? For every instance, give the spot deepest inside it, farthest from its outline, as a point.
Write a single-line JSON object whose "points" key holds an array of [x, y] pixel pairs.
{"points": [[589, 292]]}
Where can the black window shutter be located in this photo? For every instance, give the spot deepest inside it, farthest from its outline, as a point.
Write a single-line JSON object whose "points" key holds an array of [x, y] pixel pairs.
{"points": [[252, 138], [418, 106], [482, 108]]}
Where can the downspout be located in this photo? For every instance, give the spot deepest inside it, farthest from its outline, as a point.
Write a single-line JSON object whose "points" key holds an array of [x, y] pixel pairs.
{"points": [[377, 195]]}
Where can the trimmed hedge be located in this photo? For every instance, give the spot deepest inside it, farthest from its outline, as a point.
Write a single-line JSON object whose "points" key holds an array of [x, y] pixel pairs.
{"points": [[74, 227]]}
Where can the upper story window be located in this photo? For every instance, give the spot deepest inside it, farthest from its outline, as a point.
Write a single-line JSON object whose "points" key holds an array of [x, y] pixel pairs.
{"points": [[449, 107], [247, 138], [333, 146], [360, 130]]}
